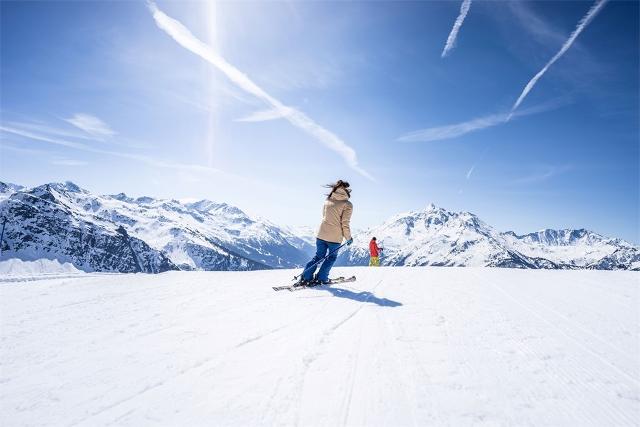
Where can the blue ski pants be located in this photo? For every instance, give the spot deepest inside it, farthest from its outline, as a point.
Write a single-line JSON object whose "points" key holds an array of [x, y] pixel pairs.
{"points": [[322, 248]]}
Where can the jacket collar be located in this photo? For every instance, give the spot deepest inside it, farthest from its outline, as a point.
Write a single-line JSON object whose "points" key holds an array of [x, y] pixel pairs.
{"points": [[340, 194]]}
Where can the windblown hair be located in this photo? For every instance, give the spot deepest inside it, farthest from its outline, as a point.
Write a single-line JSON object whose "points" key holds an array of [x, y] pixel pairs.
{"points": [[339, 184]]}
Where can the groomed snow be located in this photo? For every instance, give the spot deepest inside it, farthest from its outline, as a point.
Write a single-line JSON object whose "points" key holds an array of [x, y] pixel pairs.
{"points": [[401, 346]]}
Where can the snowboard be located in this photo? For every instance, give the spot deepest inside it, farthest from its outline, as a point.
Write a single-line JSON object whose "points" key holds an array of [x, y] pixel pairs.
{"points": [[298, 287]]}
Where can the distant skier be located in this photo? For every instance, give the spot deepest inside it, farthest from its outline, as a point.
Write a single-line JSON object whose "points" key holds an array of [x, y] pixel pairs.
{"points": [[335, 226], [374, 251]]}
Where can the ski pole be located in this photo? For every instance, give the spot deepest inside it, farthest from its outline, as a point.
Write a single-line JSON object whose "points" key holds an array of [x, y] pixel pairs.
{"points": [[318, 261], [4, 222]]}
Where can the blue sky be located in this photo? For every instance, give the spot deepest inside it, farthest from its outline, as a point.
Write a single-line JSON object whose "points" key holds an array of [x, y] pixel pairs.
{"points": [[259, 104]]}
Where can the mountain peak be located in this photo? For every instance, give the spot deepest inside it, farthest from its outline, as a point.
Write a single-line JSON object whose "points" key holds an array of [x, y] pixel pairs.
{"points": [[208, 206], [72, 187], [203, 205], [6, 187], [140, 200], [66, 186], [147, 200], [431, 207], [565, 237], [121, 196]]}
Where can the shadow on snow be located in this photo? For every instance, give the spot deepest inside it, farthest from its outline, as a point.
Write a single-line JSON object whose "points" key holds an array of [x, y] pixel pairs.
{"points": [[364, 296]]}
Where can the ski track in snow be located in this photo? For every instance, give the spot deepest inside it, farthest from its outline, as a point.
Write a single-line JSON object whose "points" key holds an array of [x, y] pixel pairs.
{"points": [[400, 346], [571, 337]]}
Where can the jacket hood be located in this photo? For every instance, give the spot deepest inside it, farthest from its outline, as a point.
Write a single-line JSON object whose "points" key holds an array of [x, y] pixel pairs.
{"points": [[340, 194]]}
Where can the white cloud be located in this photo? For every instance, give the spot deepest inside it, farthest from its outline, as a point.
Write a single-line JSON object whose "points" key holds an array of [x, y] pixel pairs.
{"points": [[22, 150], [50, 130], [151, 161], [91, 125], [26, 133], [567, 44], [297, 118], [453, 35]]}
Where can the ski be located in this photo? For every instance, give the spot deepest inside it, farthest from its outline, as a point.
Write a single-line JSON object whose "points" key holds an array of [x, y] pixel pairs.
{"points": [[331, 282], [298, 287], [282, 288]]}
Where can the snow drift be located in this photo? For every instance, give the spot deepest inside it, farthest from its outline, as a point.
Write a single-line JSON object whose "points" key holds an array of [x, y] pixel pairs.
{"points": [[18, 267]]}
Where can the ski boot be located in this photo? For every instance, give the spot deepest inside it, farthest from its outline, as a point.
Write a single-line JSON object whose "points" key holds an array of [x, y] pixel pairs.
{"points": [[302, 283]]}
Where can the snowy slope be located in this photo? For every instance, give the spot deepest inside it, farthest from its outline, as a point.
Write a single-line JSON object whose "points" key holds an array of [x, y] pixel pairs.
{"points": [[399, 347], [620, 259]]}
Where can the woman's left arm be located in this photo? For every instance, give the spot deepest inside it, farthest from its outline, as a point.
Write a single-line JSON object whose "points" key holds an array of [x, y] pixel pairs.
{"points": [[346, 220]]}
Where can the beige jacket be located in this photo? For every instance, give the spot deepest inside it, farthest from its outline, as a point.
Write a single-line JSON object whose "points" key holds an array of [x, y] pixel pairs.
{"points": [[336, 215]]}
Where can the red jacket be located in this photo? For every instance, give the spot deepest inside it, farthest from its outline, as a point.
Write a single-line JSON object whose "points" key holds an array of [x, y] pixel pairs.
{"points": [[373, 248]]}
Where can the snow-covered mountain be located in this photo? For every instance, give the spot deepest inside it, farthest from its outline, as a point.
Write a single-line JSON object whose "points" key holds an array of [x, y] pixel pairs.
{"points": [[435, 236], [7, 189], [44, 222], [579, 248], [70, 224], [303, 234], [66, 223]]}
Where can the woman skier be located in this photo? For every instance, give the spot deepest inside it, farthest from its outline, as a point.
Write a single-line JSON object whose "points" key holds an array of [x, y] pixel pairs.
{"points": [[336, 216]]}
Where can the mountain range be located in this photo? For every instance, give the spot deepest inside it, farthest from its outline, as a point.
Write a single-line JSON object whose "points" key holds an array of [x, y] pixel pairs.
{"points": [[437, 237], [122, 234], [118, 233]]}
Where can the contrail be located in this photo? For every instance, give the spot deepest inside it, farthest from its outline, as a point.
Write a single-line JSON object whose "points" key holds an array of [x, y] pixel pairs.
{"points": [[297, 118], [567, 44], [451, 40], [456, 130], [439, 133], [261, 116], [470, 171]]}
